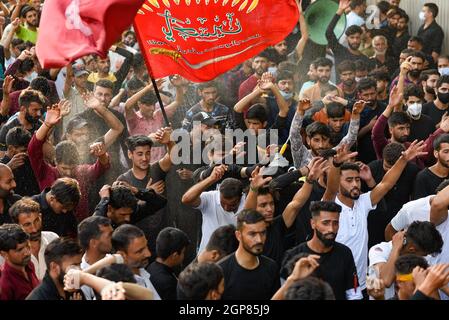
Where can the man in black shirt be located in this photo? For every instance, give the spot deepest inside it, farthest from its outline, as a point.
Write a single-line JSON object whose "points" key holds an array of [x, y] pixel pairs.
{"points": [[421, 125], [336, 263], [57, 207], [171, 245], [428, 179], [430, 31], [16, 158], [59, 255], [402, 36], [353, 34], [248, 274], [7, 196], [438, 108]]}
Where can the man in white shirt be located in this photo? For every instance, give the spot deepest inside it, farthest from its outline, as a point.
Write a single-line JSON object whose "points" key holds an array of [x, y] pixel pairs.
{"points": [[353, 231], [26, 213], [130, 242], [421, 238], [218, 207]]}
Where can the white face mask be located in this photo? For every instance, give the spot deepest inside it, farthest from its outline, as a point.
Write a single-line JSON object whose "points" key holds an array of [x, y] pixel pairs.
{"points": [[286, 95], [273, 71], [444, 71], [414, 109], [421, 16], [357, 79], [31, 76]]}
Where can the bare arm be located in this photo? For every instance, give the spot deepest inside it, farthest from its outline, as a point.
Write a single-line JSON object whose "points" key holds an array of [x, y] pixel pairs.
{"points": [[304, 33], [68, 80], [351, 137], [439, 207], [386, 270], [245, 102]]}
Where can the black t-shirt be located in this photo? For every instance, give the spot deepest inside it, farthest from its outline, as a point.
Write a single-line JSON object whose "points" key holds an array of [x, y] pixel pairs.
{"points": [[155, 172], [399, 44], [163, 280], [426, 182], [392, 202], [24, 177], [432, 38], [260, 283], [421, 129], [7, 203], [433, 112], [337, 267], [12, 123], [274, 247]]}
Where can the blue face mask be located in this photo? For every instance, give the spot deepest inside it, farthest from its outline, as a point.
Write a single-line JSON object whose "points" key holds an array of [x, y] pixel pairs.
{"points": [[273, 71], [31, 76], [286, 95], [444, 71]]}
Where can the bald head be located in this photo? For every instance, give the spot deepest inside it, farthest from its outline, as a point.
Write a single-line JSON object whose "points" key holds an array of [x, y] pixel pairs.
{"points": [[7, 182]]}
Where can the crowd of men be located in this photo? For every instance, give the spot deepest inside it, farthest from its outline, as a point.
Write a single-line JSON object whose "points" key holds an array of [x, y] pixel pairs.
{"points": [[100, 198]]}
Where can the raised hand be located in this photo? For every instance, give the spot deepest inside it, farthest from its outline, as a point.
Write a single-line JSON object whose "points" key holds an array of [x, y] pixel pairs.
{"points": [[303, 105], [343, 5], [157, 187], [15, 24], [7, 84], [113, 291], [98, 149], [53, 115], [163, 135], [304, 267], [218, 172], [65, 106], [317, 167], [406, 66], [414, 150], [444, 124], [257, 180], [177, 80], [358, 107], [105, 191], [133, 189], [395, 97], [365, 171], [343, 154], [17, 160], [398, 240], [91, 101]]}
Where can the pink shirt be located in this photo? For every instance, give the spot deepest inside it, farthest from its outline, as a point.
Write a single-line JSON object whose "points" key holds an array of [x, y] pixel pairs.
{"points": [[137, 125]]}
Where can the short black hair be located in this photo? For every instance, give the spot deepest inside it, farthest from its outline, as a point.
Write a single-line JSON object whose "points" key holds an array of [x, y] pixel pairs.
{"points": [[413, 91], [354, 29], [384, 6], [12, 235], [349, 166], [209, 84], [444, 138], [133, 142], [345, 65], [25, 9], [23, 206], [41, 84], [66, 191], [108, 84], [284, 75], [419, 54], [18, 137], [326, 88], [443, 79], [89, 229], [59, 248], [171, 240], [425, 236], [365, 84], [310, 288], [416, 39], [67, 153], [257, 112], [231, 188], [198, 279], [361, 65], [122, 197], [124, 235], [248, 216], [407, 262], [135, 83], [316, 207], [335, 110], [317, 128], [398, 118], [425, 74], [392, 152], [28, 96], [380, 76], [117, 272], [148, 98], [322, 62], [223, 240], [356, 3], [432, 8]]}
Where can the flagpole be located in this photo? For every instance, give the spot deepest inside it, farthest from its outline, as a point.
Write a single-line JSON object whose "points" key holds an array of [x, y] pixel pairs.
{"points": [[153, 81]]}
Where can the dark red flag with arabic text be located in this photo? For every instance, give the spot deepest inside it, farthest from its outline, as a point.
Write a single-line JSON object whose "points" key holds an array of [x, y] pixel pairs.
{"points": [[201, 39]]}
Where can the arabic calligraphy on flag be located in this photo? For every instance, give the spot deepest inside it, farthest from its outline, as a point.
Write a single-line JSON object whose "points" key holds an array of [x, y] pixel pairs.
{"points": [[201, 39]]}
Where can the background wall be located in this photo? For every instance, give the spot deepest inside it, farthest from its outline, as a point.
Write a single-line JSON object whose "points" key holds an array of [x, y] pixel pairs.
{"points": [[413, 7]]}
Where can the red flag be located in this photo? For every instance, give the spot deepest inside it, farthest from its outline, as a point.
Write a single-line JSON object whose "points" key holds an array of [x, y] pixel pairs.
{"points": [[201, 39], [70, 29]]}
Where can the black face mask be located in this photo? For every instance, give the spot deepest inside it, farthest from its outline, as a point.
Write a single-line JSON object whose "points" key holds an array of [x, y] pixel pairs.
{"points": [[31, 119], [415, 73], [443, 97]]}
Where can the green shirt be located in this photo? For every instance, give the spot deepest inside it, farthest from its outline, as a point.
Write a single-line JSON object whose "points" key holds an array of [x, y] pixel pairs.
{"points": [[26, 34]]}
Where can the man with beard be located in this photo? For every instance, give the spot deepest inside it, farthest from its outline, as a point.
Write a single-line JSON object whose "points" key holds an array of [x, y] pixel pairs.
{"points": [[428, 80], [31, 103], [346, 72], [439, 107], [383, 81], [402, 35], [18, 275], [26, 213], [248, 274], [209, 93], [428, 179], [29, 31], [16, 158], [353, 35], [381, 61], [259, 65], [410, 70], [7, 195], [336, 263], [61, 255], [353, 230], [323, 70], [130, 242], [261, 199]]}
